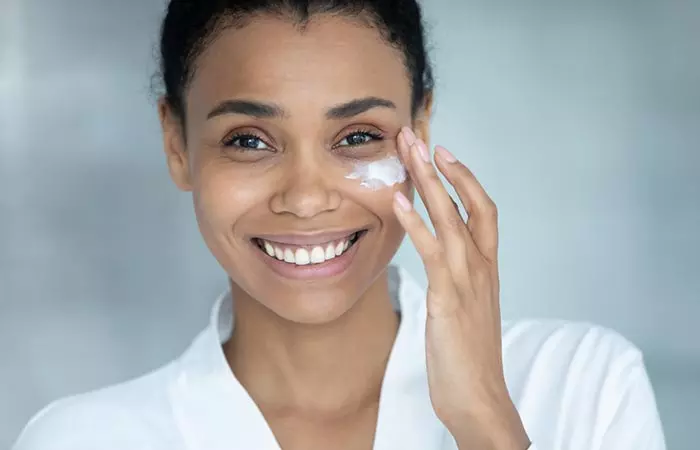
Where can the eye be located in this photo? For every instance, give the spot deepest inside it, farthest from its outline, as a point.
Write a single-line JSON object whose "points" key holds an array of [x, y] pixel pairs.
{"points": [[357, 138], [245, 142]]}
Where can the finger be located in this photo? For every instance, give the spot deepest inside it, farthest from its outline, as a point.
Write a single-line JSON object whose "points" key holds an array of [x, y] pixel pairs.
{"points": [[449, 225], [401, 147], [429, 249], [481, 210], [404, 140], [454, 203], [457, 254], [408, 148]]}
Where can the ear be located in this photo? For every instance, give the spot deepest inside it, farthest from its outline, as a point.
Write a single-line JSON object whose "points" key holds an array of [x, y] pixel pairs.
{"points": [[174, 145], [421, 124]]}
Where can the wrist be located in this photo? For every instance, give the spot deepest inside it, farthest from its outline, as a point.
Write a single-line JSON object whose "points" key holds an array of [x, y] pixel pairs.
{"points": [[497, 426]]}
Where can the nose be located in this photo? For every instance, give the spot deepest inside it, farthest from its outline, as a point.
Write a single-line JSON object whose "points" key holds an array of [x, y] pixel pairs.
{"points": [[306, 189]]}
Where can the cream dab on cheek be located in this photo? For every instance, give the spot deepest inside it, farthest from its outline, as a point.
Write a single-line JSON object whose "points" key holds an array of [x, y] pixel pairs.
{"points": [[379, 174]]}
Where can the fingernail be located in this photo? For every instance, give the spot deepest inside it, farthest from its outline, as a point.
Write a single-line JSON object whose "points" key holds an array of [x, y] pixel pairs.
{"points": [[402, 201], [444, 154], [408, 135], [422, 150]]}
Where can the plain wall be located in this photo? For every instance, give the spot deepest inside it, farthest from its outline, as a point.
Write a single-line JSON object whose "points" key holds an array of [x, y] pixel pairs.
{"points": [[582, 119]]}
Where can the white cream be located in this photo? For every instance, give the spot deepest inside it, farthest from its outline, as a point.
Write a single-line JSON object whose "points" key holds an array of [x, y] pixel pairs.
{"points": [[379, 174]]}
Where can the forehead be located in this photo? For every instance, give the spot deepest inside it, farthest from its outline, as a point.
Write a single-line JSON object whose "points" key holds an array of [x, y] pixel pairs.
{"points": [[332, 60]]}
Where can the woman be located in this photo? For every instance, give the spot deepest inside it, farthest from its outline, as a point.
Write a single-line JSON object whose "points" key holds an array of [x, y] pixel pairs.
{"points": [[292, 122]]}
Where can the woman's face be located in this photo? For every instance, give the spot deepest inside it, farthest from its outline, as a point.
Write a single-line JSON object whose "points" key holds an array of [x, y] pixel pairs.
{"points": [[276, 118]]}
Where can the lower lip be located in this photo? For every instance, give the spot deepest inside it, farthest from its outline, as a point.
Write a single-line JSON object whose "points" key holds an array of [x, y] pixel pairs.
{"points": [[331, 268]]}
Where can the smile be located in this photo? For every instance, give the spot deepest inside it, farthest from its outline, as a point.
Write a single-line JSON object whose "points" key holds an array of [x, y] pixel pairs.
{"points": [[302, 257]]}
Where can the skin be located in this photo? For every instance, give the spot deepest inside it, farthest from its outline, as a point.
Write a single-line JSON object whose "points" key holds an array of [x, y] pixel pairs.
{"points": [[463, 328], [312, 354]]}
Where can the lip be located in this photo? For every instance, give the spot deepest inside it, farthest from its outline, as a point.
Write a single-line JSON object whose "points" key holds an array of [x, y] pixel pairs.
{"points": [[311, 238], [328, 269]]}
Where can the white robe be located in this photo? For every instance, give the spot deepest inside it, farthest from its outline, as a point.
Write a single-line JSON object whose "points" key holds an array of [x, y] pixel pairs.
{"points": [[576, 386]]}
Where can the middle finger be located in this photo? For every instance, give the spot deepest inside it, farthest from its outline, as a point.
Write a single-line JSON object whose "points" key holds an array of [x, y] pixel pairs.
{"points": [[448, 223]]}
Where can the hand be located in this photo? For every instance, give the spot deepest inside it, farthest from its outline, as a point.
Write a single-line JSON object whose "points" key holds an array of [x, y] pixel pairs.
{"points": [[463, 330]]}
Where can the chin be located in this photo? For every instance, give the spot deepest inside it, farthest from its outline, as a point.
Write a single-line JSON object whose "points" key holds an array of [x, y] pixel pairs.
{"points": [[313, 306]]}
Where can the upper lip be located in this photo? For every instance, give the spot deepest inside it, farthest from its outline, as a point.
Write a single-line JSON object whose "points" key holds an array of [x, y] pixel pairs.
{"points": [[310, 238]]}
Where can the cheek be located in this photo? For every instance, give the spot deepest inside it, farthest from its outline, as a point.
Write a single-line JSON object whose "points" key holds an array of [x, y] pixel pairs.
{"points": [[374, 183], [222, 195], [392, 233], [380, 201], [379, 174]]}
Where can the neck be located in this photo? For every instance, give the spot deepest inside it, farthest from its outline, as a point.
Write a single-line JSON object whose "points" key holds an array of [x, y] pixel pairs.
{"points": [[331, 369]]}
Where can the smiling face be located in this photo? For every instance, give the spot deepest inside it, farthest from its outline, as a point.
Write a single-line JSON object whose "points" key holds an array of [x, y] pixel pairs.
{"points": [[276, 120]]}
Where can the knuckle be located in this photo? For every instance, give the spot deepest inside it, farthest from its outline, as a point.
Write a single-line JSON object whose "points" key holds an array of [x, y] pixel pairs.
{"points": [[454, 222], [434, 254], [490, 209], [433, 176]]}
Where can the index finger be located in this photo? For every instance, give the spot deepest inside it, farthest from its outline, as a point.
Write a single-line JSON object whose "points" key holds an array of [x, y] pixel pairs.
{"points": [[481, 210]]}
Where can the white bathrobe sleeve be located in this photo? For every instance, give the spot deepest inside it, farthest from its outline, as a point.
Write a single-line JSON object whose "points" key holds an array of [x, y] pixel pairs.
{"points": [[627, 421], [635, 424]]}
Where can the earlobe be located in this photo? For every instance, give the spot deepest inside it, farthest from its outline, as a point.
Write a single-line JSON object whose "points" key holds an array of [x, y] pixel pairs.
{"points": [[174, 146]]}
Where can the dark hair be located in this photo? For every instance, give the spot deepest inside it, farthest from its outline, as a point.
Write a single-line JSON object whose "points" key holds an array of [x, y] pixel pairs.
{"points": [[190, 25]]}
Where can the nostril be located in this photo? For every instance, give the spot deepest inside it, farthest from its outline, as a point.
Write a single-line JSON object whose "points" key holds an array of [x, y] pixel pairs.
{"points": [[306, 198]]}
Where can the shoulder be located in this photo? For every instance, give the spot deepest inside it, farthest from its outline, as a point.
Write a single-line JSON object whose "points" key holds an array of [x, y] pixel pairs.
{"points": [[126, 415], [568, 340], [580, 376], [566, 352]]}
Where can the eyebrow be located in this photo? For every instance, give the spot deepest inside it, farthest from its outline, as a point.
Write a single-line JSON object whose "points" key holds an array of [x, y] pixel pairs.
{"points": [[358, 106], [247, 108], [261, 110]]}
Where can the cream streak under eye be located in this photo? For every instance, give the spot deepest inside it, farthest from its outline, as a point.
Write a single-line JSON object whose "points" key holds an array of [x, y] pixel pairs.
{"points": [[379, 174]]}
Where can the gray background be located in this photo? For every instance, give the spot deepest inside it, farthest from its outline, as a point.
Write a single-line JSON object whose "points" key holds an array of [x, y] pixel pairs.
{"points": [[581, 118]]}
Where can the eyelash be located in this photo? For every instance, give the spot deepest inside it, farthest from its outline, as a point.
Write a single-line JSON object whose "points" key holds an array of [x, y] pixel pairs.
{"points": [[373, 136], [229, 141]]}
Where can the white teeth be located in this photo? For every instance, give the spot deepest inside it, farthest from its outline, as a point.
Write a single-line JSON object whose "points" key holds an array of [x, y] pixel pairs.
{"points": [[288, 256], [303, 256], [318, 255]]}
